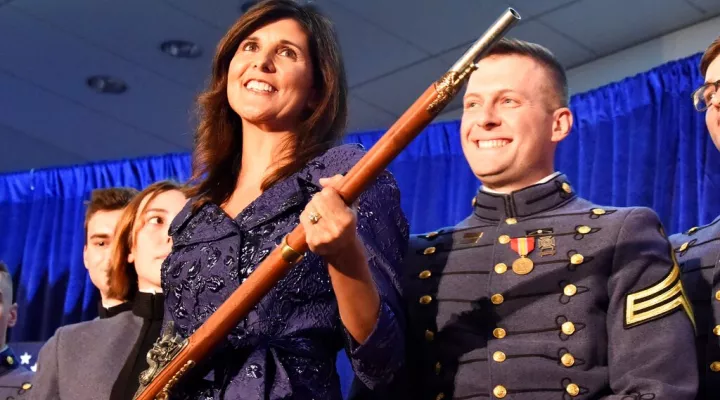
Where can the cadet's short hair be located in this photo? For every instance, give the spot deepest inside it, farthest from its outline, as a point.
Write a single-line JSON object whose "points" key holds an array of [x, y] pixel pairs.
{"points": [[541, 55], [5, 273], [110, 199], [711, 53]]}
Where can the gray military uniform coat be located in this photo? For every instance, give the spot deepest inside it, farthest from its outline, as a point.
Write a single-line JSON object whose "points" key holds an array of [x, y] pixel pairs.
{"points": [[698, 253], [14, 378], [82, 361], [543, 295]]}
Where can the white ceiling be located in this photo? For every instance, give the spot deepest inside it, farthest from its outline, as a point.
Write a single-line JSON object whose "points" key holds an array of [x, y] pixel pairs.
{"points": [[393, 50]]}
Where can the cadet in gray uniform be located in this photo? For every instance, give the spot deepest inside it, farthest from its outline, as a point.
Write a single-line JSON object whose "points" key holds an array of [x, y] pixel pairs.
{"points": [[698, 249], [14, 378], [102, 359], [540, 294]]}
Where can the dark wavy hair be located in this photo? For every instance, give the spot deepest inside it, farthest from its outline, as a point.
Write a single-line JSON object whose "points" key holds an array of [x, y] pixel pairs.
{"points": [[218, 139]]}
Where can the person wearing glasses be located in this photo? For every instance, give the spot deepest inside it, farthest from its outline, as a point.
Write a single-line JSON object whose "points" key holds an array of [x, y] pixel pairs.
{"points": [[698, 249]]}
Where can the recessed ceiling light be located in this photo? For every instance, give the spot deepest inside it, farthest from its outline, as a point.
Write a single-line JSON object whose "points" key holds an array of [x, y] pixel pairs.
{"points": [[244, 7], [106, 84], [181, 49]]}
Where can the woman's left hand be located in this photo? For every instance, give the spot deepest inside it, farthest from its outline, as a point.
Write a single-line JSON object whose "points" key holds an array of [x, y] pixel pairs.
{"points": [[330, 225]]}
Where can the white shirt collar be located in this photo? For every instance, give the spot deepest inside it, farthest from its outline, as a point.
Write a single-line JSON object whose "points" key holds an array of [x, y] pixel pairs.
{"points": [[543, 180]]}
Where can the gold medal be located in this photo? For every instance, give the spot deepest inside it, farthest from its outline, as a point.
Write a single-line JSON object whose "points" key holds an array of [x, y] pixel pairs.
{"points": [[523, 266], [523, 246]]}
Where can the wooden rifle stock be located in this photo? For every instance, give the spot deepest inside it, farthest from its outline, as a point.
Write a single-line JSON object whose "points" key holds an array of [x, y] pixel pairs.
{"points": [[171, 357]]}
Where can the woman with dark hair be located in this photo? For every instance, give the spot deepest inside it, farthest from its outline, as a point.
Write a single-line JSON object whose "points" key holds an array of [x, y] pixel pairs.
{"points": [[103, 358], [264, 162]]}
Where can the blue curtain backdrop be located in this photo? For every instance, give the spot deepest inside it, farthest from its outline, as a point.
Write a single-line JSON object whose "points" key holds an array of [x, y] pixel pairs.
{"points": [[637, 142]]}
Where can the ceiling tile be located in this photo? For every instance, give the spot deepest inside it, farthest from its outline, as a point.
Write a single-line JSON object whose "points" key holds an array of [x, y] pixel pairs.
{"points": [[221, 15], [567, 51], [610, 25], [711, 7], [531, 8], [133, 30], [71, 126], [368, 51], [398, 91], [27, 152], [431, 25], [364, 116], [73, 61]]}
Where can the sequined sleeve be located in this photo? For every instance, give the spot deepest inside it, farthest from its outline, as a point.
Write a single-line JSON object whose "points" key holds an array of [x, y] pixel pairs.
{"points": [[383, 228]]}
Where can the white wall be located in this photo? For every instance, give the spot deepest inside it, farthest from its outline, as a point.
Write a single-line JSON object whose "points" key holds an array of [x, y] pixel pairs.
{"points": [[645, 56]]}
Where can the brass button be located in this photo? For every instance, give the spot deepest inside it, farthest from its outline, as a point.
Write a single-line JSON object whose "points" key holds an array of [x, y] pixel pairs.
{"points": [[499, 356], [573, 389], [568, 328], [715, 366], [501, 268], [577, 259], [425, 274], [567, 360], [716, 330], [499, 391], [440, 396], [438, 368], [429, 335], [692, 230], [584, 229], [431, 235], [684, 246], [598, 211], [426, 299], [497, 299], [566, 187], [504, 239], [26, 386], [511, 221], [474, 201], [717, 295], [570, 290], [429, 250], [10, 360], [499, 333]]}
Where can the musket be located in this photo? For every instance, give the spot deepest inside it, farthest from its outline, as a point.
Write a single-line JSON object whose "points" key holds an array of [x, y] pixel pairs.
{"points": [[172, 356]]}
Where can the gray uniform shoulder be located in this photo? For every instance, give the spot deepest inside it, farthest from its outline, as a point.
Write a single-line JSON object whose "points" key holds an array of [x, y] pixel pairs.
{"points": [[697, 252], [80, 360], [623, 220], [696, 234], [15, 383], [97, 327]]}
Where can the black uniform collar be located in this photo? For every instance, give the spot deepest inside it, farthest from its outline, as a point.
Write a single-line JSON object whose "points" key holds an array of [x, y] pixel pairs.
{"points": [[8, 360], [114, 310], [524, 202], [149, 306]]}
